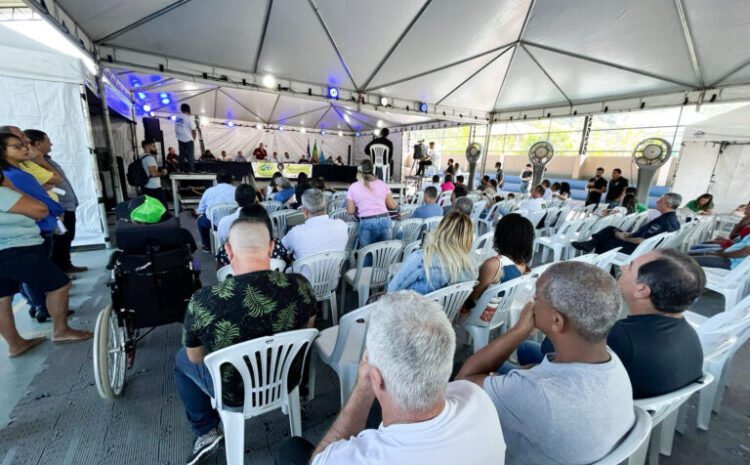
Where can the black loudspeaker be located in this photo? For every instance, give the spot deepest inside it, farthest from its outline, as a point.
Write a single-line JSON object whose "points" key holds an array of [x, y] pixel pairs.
{"points": [[152, 129]]}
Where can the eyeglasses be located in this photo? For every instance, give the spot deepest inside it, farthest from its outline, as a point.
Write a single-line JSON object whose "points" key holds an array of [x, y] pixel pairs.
{"points": [[17, 146]]}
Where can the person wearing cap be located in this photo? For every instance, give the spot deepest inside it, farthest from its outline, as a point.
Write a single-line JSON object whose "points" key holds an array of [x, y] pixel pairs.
{"points": [[370, 199]]}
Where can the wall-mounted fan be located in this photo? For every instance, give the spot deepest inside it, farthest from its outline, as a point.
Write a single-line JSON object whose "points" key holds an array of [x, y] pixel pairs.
{"points": [[540, 154], [649, 155], [473, 153]]}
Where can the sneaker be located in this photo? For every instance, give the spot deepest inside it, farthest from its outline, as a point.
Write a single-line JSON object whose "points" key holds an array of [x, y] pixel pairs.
{"points": [[205, 446], [586, 246]]}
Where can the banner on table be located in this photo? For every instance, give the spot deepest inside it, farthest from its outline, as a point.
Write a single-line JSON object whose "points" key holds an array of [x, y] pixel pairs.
{"points": [[289, 170]]}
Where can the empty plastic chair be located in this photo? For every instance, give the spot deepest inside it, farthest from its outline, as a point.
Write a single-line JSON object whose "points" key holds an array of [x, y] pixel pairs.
{"points": [[452, 297], [339, 214], [365, 278], [732, 284], [323, 271], [411, 229], [271, 205], [264, 365]]}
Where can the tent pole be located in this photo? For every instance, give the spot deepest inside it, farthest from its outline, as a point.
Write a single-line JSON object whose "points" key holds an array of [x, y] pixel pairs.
{"points": [[485, 153], [108, 138]]}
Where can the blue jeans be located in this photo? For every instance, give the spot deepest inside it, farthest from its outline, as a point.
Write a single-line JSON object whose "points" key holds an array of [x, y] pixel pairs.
{"points": [[528, 352], [195, 388], [204, 228], [374, 230], [187, 155]]}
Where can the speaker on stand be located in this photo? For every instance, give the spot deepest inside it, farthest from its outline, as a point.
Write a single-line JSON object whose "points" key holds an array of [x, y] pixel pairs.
{"points": [[152, 132]]}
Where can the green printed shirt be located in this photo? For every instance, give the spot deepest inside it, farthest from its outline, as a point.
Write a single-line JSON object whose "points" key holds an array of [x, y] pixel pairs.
{"points": [[246, 307]]}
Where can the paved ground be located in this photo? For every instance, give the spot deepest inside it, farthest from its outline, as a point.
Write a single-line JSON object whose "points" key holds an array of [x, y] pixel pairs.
{"points": [[50, 412]]}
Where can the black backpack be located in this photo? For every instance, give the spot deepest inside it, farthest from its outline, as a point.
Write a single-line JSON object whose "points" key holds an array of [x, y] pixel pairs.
{"points": [[137, 176]]}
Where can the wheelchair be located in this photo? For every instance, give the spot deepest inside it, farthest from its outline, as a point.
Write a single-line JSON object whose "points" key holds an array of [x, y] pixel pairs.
{"points": [[152, 281]]}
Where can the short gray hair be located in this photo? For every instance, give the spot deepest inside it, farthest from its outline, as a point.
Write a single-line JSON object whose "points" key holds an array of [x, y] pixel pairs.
{"points": [[281, 181], [412, 343], [313, 201], [673, 199], [463, 205], [587, 295]]}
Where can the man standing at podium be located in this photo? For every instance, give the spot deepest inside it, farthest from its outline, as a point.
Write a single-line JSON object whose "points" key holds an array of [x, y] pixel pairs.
{"points": [[382, 138]]}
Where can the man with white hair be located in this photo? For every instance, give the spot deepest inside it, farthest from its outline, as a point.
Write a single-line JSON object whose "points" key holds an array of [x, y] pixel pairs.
{"points": [[426, 419], [611, 237], [319, 233], [577, 404], [252, 303]]}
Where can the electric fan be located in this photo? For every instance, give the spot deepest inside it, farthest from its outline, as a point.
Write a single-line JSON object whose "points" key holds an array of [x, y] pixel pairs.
{"points": [[649, 155], [539, 155]]}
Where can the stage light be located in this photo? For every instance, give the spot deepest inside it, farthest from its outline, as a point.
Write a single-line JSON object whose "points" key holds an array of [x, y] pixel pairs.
{"points": [[281, 128], [163, 95], [383, 101], [165, 101], [136, 85], [173, 117], [230, 124], [322, 132], [341, 133], [205, 120], [146, 107], [380, 124], [258, 126], [333, 93], [142, 95], [423, 107], [203, 110], [303, 130], [269, 81], [152, 114], [376, 132], [357, 134]]}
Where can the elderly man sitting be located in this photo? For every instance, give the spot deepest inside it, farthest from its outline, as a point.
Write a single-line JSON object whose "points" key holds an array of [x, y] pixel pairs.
{"points": [[254, 302], [426, 419], [577, 404], [319, 233], [611, 237]]}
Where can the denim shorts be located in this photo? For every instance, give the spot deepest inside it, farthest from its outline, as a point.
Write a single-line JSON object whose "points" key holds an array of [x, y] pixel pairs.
{"points": [[29, 265]]}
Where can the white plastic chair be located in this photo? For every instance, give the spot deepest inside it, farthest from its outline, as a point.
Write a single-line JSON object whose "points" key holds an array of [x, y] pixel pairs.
{"points": [[339, 214], [271, 205], [340, 347], [323, 271], [718, 350], [411, 229], [643, 248], [278, 264], [337, 201], [278, 221], [604, 260], [452, 297], [484, 241], [215, 213], [264, 364], [632, 449], [479, 330], [477, 209], [486, 224], [224, 272], [664, 411], [380, 154], [432, 223], [444, 199], [560, 241], [417, 199], [411, 247], [732, 284], [351, 229], [405, 211], [365, 278]]}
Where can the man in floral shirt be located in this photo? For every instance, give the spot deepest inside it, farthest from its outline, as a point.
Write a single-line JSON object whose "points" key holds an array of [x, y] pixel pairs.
{"points": [[255, 302]]}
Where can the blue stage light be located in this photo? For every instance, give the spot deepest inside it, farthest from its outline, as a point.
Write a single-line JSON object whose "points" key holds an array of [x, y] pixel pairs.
{"points": [[163, 95], [333, 92], [322, 132], [165, 101], [230, 124], [357, 134], [423, 107], [173, 117], [142, 95], [147, 107]]}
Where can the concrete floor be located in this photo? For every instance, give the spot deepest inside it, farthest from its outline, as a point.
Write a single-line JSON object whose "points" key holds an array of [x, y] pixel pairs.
{"points": [[50, 412]]}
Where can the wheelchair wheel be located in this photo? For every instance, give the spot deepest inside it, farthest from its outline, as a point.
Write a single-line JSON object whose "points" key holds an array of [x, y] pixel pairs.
{"points": [[109, 355]]}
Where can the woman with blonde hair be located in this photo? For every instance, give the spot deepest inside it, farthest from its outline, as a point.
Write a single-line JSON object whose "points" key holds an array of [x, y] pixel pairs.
{"points": [[443, 261], [370, 199]]}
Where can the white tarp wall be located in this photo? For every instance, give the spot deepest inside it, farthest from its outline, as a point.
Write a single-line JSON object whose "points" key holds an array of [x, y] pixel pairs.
{"points": [[694, 174], [218, 137], [41, 89]]}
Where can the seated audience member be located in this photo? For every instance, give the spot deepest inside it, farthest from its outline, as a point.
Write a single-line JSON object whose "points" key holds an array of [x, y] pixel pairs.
{"points": [[626, 207], [319, 233], [533, 204], [611, 237], [303, 159], [224, 156], [738, 232], [443, 261], [303, 183], [222, 192], [221, 315], [483, 183], [703, 205], [639, 207], [271, 187], [490, 191], [563, 193], [458, 193], [435, 183], [173, 160], [275, 157], [284, 190], [448, 184], [450, 169], [339, 161], [513, 241], [23, 259], [727, 259], [244, 196], [240, 157], [287, 158], [459, 180], [207, 155], [426, 419], [429, 208], [320, 184], [257, 211], [576, 405], [547, 190]]}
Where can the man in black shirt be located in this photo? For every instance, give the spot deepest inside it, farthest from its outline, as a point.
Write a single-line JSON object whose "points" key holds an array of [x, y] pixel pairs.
{"points": [[611, 237], [616, 189], [596, 186], [659, 349], [526, 176], [382, 138]]}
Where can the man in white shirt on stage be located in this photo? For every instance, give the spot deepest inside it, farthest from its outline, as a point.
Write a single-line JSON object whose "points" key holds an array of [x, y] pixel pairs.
{"points": [[222, 192], [185, 130], [319, 233], [425, 419], [431, 158]]}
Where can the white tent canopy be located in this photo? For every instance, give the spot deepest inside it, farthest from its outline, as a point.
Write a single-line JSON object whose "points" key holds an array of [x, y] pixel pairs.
{"points": [[467, 59]]}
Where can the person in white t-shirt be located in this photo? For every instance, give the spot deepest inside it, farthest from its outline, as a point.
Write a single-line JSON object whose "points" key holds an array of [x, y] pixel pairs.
{"points": [[425, 419], [536, 202], [577, 404], [185, 130]]}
